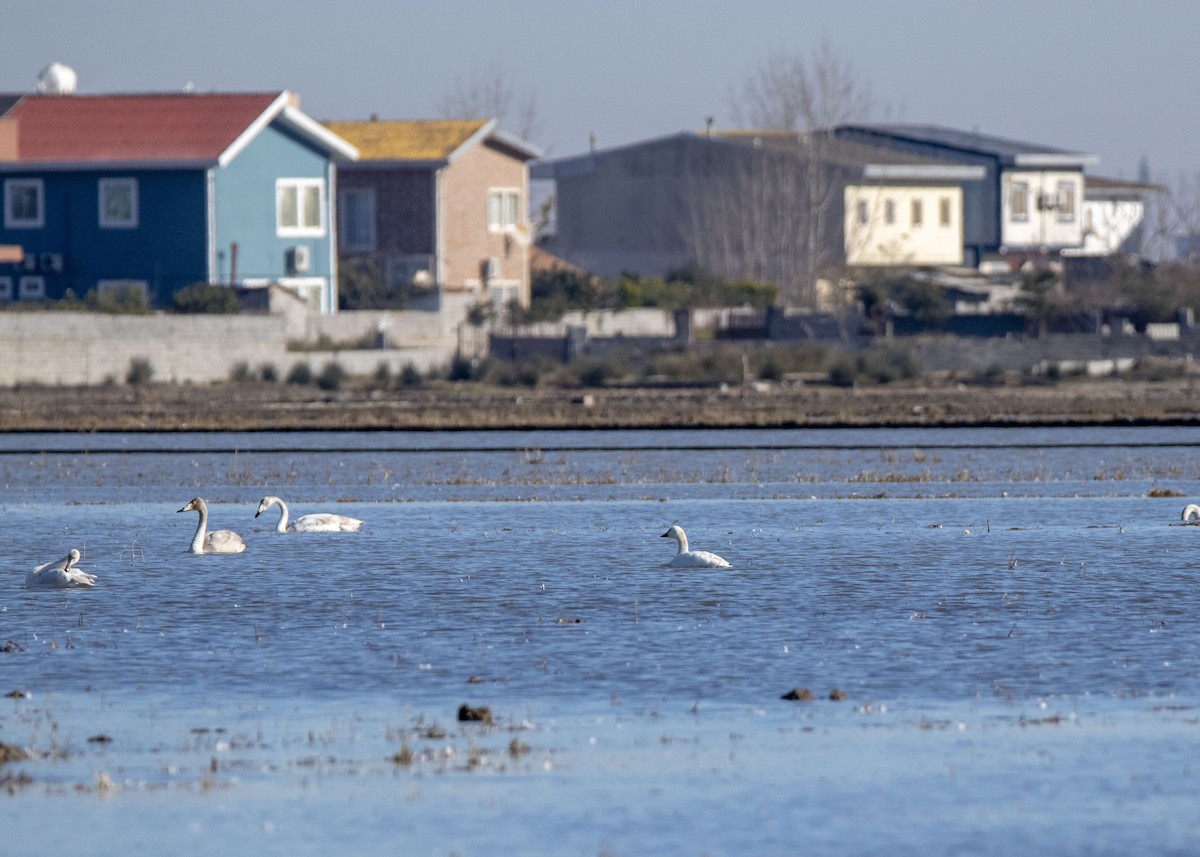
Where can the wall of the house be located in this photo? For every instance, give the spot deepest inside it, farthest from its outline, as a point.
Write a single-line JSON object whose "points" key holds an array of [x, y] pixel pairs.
{"points": [[244, 204], [902, 242], [1045, 226], [165, 251], [1112, 226], [467, 242]]}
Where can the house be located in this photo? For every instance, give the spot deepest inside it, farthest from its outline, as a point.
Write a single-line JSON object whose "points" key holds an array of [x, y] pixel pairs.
{"points": [[771, 207], [1029, 201], [438, 209], [157, 191]]}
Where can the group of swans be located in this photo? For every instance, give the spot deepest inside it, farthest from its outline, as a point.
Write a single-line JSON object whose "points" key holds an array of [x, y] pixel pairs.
{"points": [[62, 574], [227, 541]]}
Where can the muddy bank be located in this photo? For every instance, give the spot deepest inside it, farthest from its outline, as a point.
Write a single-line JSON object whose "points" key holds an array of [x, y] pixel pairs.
{"points": [[279, 407]]}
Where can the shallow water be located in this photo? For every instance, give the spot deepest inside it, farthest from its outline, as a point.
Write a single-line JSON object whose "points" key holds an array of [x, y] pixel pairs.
{"points": [[1010, 615]]}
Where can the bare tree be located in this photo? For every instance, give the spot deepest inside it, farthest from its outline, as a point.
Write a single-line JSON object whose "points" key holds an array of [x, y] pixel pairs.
{"points": [[805, 97], [788, 92], [491, 93]]}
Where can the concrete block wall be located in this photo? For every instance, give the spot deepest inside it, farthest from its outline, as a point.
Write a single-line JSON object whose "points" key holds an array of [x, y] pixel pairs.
{"points": [[87, 348]]}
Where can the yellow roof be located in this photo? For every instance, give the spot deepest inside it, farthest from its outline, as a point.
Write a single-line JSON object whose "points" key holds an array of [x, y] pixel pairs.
{"points": [[407, 140]]}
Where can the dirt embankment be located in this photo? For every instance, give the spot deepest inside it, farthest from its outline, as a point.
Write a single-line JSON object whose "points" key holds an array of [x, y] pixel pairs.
{"points": [[280, 407]]}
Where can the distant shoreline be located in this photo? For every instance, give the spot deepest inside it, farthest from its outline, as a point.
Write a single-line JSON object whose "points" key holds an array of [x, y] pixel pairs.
{"points": [[442, 406]]}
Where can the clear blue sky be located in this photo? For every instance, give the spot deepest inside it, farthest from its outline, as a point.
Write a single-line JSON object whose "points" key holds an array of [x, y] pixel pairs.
{"points": [[1116, 79]]}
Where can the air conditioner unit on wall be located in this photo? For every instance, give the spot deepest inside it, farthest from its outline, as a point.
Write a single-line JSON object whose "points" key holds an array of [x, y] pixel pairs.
{"points": [[298, 259], [491, 268]]}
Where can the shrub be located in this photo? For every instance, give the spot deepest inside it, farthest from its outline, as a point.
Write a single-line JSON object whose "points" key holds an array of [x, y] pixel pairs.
{"points": [[268, 372], [240, 373], [126, 300], [332, 375], [410, 376], [140, 371], [205, 298], [300, 373]]}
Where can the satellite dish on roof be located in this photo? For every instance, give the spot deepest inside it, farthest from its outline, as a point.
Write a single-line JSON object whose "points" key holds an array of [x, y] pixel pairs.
{"points": [[57, 79]]}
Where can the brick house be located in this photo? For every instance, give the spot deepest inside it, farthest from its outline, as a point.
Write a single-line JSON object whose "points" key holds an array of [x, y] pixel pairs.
{"points": [[437, 208]]}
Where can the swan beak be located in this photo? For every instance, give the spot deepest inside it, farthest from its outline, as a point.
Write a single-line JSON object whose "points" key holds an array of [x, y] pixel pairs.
{"points": [[665, 535], [184, 509]]}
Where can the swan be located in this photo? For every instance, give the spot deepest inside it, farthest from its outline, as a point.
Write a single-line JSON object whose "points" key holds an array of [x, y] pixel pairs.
{"points": [[218, 541], [321, 522], [60, 574], [1190, 510], [690, 558]]}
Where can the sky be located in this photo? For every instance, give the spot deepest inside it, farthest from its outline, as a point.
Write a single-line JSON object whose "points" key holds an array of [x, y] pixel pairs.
{"points": [[1115, 79]]}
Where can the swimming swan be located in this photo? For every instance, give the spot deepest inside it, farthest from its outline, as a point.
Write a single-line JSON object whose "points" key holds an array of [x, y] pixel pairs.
{"points": [[689, 558], [321, 522], [1190, 510], [60, 574], [218, 541]]}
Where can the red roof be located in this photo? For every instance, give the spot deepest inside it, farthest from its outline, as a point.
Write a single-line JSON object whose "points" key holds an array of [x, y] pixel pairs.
{"points": [[146, 128]]}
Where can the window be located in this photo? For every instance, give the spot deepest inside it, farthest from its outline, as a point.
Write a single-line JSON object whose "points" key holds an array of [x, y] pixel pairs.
{"points": [[118, 203], [1018, 201], [299, 207], [918, 212], [889, 212], [503, 210], [357, 226], [944, 211], [24, 204], [1066, 202], [864, 216], [6, 291], [32, 288]]}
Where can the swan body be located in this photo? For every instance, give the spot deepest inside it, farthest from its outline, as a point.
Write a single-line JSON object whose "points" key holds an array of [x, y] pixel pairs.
{"points": [[1189, 511], [689, 558], [320, 522], [60, 575], [218, 541]]}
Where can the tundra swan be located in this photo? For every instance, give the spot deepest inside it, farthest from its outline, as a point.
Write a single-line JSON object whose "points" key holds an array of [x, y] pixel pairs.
{"points": [[320, 522], [218, 541], [689, 558], [60, 574], [1189, 511]]}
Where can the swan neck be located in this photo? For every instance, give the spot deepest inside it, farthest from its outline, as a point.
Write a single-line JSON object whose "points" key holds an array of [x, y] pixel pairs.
{"points": [[198, 538], [681, 537], [281, 527]]}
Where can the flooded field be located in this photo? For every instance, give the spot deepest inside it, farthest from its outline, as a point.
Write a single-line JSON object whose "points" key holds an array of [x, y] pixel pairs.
{"points": [[998, 629]]}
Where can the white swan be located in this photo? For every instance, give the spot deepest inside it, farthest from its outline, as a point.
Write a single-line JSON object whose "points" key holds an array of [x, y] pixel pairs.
{"points": [[1190, 510], [60, 574], [689, 558], [320, 522], [218, 541]]}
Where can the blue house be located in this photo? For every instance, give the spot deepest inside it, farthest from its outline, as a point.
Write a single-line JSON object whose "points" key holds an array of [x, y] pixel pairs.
{"points": [[163, 190]]}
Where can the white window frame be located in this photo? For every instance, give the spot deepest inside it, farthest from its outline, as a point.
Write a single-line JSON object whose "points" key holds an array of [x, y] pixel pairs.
{"points": [[889, 211], [366, 198], [298, 186], [1065, 202], [1018, 213], [114, 184], [507, 214], [11, 187], [864, 213], [918, 212], [6, 288], [32, 288], [945, 211]]}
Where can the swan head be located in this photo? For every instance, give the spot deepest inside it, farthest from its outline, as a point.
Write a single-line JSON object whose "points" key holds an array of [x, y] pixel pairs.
{"points": [[72, 557], [196, 504], [676, 532], [267, 503]]}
